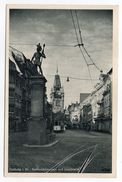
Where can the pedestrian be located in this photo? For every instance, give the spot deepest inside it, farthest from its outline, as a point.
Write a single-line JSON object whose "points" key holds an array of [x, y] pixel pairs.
{"points": [[38, 56]]}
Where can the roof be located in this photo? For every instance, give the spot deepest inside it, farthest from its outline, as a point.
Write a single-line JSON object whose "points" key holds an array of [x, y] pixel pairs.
{"points": [[83, 96], [11, 58], [23, 65], [19, 55], [110, 71]]}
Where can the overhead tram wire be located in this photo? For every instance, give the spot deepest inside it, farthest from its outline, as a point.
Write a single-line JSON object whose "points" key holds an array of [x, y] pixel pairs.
{"points": [[90, 58], [50, 45], [74, 78], [80, 46], [81, 39], [87, 65], [74, 27]]}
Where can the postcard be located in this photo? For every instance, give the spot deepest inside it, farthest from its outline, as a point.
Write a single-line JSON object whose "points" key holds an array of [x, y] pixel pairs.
{"points": [[61, 90]]}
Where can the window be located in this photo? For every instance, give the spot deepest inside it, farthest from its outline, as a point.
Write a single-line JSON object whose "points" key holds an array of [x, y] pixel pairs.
{"points": [[11, 108], [56, 123], [11, 93], [11, 78]]}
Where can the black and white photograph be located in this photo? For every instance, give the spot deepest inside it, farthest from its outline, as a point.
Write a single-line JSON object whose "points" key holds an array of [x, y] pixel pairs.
{"points": [[60, 91]]}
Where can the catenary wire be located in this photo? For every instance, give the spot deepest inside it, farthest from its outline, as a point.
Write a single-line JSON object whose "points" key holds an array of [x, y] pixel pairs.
{"points": [[73, 21], [75, 78], [90, 58], [79, 27], [82, 44], [87, 65], [50, 45], [80, 47]]}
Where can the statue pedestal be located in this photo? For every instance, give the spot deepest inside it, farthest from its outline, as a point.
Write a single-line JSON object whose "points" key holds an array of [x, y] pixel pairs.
{"points": [[37, 134]]}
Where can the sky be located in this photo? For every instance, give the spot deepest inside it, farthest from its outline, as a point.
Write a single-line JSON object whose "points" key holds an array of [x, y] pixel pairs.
{"points": [[55, 29]]}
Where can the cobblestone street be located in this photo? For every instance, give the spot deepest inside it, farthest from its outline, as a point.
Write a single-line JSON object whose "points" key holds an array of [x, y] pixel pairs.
{"points": [[76, 151]]}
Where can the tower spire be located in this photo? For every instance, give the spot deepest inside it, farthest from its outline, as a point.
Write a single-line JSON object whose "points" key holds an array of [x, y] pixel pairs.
{"points": [[57, 70]]}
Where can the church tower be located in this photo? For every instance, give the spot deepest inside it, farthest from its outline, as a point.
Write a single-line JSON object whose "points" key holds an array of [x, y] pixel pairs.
{"points": [[57, 95]]}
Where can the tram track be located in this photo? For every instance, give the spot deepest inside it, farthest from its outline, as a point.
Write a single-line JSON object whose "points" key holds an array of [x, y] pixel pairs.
{"points": [[71, 155], [87, 160]]}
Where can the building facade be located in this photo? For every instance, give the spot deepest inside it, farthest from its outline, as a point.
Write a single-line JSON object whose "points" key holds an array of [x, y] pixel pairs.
{"points": [[20, 93], [19, 97], [103, 99], [72, 115], [101, 104]]}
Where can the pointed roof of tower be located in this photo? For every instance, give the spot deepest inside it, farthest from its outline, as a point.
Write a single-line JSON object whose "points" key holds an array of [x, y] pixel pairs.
{"points": [[57, 70], [57, 81]]}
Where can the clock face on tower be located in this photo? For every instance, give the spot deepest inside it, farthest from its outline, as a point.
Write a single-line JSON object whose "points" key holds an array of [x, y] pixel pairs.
{"points": [[57, 94]]}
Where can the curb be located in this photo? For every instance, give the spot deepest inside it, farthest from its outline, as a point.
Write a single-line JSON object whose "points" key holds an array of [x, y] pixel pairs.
{"points": [[41, 146]]}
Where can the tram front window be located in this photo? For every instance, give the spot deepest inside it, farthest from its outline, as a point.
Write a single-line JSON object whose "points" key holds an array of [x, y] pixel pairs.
{"points": [[56, 123]]}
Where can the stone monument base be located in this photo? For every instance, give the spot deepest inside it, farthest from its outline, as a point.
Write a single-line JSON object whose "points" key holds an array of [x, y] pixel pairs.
{"points": [[41, 146], [38, 134]]}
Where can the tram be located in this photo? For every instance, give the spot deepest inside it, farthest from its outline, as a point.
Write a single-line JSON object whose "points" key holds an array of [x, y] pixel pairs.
{"points": [[58, 122], [58, 126]]}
